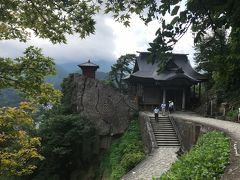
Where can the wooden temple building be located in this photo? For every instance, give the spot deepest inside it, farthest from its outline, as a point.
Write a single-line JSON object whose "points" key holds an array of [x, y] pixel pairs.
{"points": [[177, 82]]}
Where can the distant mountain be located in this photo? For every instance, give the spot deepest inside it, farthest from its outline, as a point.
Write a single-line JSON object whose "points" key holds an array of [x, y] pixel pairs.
{"points": [[104, 66]]}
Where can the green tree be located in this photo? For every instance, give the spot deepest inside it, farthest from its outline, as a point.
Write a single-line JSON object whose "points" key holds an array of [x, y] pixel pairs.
{"points": [[199, 15], [18, 147], [54, 19], [209, 54], [49, 19], [27, 74], [68, 142], [121, 69]]}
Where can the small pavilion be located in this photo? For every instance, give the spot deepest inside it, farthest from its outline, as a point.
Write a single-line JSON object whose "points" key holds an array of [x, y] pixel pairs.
{"points": [[89, 69], [176, 82]]}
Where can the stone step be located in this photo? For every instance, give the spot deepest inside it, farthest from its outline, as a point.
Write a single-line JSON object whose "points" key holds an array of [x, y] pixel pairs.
{"points": [[163, 126], [168, 142], [164, 130], [161, 122], [169, 145], [166, 137]]}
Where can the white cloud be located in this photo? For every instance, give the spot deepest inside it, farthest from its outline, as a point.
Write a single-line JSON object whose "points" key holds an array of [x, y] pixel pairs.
{"points": [[111, 40]]}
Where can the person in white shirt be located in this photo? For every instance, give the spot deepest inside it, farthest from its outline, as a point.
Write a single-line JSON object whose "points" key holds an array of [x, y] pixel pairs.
{"points": [[171, 106], [156, 112], [163, 107]]}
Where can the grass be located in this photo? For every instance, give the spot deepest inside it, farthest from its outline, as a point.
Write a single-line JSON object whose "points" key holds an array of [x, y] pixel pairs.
{"points": [[124, 154]]}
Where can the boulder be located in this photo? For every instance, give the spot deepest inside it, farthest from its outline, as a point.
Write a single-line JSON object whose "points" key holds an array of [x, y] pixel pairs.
{"points": [[103, 105]]}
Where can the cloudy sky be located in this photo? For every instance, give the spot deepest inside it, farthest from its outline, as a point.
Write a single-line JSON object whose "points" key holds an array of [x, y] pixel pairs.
{"points": [[111, 40]]}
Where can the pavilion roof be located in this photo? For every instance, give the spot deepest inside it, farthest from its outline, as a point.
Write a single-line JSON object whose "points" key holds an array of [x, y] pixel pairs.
{"points": [[88, 64], [177, 67]]}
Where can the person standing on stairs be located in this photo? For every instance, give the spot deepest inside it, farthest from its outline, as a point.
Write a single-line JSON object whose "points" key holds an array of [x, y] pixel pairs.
{"points": [[156, 112], [171, 106], [163, 108]]}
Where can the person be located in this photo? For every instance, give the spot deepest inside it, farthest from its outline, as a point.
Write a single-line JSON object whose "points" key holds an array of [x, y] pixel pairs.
{"points": [[163, 107], [156, 111], [171, 106]]}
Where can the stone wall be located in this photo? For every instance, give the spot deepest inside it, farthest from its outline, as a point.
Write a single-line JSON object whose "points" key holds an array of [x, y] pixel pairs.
{"points": [[189, 132], [147, 133]]}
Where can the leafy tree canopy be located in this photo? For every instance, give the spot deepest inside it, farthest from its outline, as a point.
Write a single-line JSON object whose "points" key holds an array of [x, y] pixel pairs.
{"points": [[27, 74], [18, 147], [49, 19], [121, 69], [68, 142]]}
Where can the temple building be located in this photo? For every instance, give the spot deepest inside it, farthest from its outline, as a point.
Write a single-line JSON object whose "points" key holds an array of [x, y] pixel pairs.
{"points": [[89, 69], [177, 82]]}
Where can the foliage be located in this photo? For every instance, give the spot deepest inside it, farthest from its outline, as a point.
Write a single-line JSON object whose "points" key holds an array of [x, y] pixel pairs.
{"points": [[121, 69], [18, 147], [47, 19], [207, 159], [54, 19], [124, 154], [67, 142], [199, 15], [215, 56], [209, 54], [27, 74], [9, 97], [232, 115]]}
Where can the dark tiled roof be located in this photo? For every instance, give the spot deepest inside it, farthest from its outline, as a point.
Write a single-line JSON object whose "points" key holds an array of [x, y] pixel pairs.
{"points": [[88, 64], [179, 67]]}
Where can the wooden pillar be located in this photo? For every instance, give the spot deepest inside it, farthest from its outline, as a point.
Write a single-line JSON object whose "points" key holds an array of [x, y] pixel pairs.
{"points": [[164, 96], [183, 99], [194, 91], [199, 91]]}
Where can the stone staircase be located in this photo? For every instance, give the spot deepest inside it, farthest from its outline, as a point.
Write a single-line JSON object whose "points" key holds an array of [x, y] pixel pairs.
{"points": [[164, 132]]}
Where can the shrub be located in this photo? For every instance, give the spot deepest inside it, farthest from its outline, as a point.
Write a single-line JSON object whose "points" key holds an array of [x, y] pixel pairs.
{"points": [[232, 115], [207, 159], [123, 154]]}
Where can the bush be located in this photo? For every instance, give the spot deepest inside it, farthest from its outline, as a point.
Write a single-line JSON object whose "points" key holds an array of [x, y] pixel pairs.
{"points": [[232, 115], [67, 142], [207, 159], [124, 154]]}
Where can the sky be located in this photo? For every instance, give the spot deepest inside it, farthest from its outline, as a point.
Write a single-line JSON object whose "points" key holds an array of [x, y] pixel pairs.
{"points": [[110, 40]]}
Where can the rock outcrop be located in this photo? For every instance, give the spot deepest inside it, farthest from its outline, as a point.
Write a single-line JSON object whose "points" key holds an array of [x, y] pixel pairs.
{"points": [[105, 107]]}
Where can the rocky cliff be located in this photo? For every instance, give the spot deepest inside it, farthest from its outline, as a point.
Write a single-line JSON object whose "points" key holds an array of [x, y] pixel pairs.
{"points": [[105, 107]]}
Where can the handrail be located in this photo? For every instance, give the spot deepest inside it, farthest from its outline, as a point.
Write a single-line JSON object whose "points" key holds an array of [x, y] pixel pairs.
{"points": [[177, 132]]}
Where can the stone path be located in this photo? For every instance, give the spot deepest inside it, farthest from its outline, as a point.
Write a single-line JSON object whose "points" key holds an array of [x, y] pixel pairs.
{"points": [[158, 162], [161, 159], [155, 164], [231, 128]]}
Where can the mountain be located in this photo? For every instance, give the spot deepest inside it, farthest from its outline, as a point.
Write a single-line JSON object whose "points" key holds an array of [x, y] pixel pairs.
{"points": [[104, 66]]}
